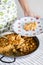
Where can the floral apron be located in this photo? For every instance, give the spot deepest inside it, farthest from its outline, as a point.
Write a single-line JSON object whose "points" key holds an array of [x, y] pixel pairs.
{"points": [[8, 13]]}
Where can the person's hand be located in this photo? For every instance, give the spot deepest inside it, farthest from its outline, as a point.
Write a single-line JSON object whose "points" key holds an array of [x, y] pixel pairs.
{"points": [[30, 13]]}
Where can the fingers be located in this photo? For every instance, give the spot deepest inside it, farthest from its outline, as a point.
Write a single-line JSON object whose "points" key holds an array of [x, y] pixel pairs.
{"points": [[36, 16], [32, 15]]}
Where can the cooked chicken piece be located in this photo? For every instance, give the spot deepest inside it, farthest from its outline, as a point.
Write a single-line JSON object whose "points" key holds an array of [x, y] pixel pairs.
{"points": [[7, 48]]}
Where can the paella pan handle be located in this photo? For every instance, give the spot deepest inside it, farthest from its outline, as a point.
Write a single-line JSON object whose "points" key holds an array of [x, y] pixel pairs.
{"points": [[2, 60]]}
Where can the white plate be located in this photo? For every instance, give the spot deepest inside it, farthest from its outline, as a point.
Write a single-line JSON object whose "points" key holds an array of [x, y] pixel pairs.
{"points": [[18, 26]]}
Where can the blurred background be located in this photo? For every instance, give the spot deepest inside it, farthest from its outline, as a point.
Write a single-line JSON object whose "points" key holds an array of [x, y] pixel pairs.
{"points": [[35, 5]]}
